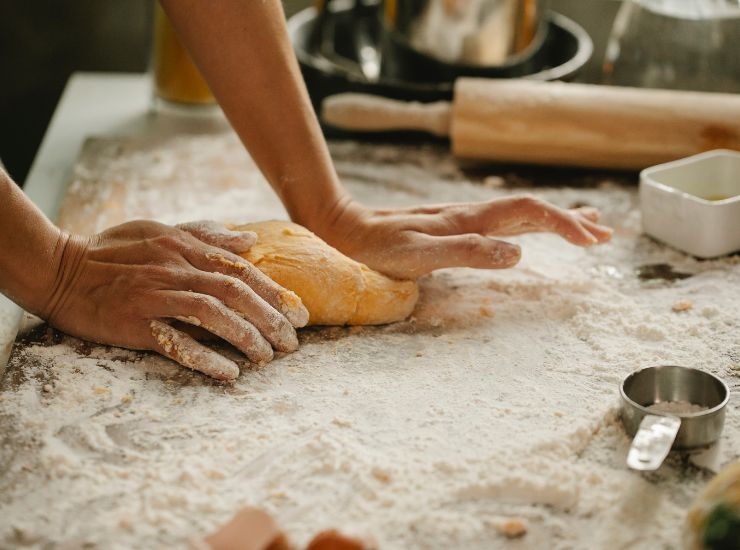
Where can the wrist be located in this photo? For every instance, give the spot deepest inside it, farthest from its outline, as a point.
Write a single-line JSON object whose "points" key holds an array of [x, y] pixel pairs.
{"points": [[321, 214], [27, 262], [32, 250], [327, 221], [64, 269], [345, 227]]}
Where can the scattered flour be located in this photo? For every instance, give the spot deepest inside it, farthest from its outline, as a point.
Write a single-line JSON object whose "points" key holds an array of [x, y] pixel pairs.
{"points": [[490, 414]]}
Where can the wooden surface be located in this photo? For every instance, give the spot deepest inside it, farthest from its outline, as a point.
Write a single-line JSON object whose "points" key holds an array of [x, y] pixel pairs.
{"points": [[118, 180]]}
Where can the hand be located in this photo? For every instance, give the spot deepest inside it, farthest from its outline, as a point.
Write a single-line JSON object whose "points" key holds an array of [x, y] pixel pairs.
{"points": [[122, 287], [253, 529], [410, 242]]}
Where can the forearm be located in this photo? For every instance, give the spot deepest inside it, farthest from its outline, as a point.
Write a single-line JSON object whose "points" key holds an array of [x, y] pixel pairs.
{"points": [[30, 249], [243, 50]]}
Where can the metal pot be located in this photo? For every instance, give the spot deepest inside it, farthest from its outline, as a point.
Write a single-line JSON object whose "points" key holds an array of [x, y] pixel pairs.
{"points": [[477, 33]]}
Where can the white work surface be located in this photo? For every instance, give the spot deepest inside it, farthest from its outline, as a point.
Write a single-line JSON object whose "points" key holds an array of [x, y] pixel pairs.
{"points": [[495, 402]]}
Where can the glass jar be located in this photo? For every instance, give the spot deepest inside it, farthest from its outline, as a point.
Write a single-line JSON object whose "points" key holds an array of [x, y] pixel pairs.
{"points": [[676, 44], [178, 85]]}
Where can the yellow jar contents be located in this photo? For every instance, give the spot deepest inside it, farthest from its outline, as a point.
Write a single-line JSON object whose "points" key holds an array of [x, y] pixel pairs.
{"points": [[176, 77]]}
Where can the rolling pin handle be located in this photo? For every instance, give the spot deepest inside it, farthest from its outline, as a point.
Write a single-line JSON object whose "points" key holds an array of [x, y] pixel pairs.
{"points": [[369, 113]]}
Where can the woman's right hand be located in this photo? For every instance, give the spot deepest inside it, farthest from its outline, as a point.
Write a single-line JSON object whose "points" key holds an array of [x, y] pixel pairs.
{"points": [[124, 287]]}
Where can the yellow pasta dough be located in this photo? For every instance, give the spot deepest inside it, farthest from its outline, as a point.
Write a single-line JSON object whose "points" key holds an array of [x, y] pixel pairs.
{"points": [[335, 289]]}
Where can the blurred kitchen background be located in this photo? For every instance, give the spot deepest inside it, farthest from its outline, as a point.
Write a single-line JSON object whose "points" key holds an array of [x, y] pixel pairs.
{"points": [[42, 43]]}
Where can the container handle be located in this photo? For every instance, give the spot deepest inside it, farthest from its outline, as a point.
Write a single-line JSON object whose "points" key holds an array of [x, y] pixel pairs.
{"points": [[652, 442]]}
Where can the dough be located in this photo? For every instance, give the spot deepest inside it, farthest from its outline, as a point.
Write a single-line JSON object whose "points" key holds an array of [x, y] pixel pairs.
{"points": [[335, 289]]}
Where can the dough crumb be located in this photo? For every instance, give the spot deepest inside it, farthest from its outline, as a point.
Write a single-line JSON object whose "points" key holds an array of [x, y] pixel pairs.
{"points": [[100, 390], [419, 354], [381, 474], [682, 305], [126, 398], [512, 528], [47, 388], [485, 312], [278, 495]]}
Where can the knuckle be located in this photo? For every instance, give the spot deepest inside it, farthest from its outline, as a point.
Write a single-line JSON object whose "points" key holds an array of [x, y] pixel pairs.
{"points": [[527, 200], [169, 241], [232, 288], [206, 305], [471, 242]]}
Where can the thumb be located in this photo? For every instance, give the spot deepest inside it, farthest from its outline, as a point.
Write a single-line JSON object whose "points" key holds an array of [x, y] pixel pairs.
{"points": [[216, 234]]}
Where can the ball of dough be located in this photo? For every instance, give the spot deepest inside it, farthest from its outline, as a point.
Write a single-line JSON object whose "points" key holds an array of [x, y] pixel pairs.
{"points": [[335, 289]]}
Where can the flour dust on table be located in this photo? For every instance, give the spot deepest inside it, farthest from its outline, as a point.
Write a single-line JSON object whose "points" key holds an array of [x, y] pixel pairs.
{"points": [[487, 419]]}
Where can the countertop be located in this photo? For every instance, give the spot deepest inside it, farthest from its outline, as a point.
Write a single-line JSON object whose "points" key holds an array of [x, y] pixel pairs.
{"points": [[495, 402]]}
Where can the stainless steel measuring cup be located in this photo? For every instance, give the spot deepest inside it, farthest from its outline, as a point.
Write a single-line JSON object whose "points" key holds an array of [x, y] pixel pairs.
{"points": [[701, 395]]}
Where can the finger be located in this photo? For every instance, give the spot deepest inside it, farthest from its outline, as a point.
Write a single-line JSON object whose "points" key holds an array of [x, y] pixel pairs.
{"points": [[283, 300], [557, 220], [237, 296], [589, 217], [206, 311], [183, 349], [601, 232], [588, 212], [216, 234], [521, 214], [333, 540], [469, 250]]}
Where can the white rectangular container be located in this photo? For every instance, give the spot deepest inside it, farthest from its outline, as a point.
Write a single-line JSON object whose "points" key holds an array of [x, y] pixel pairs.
{"points": [[693, 204]]}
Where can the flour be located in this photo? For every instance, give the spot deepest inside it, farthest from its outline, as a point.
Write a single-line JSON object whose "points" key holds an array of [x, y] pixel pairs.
{"points": [[676, 407], [494, 405], [9, 318]]}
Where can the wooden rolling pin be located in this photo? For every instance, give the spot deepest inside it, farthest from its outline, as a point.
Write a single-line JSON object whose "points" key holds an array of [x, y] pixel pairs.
{"points": [[526, 121]]}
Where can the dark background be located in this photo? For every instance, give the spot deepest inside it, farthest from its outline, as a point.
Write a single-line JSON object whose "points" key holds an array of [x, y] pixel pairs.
{"points": [[42, 43]]}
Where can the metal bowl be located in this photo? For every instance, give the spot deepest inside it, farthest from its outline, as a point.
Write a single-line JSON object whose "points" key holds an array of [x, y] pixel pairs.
{"points": [[335, 67], [484, 33]]}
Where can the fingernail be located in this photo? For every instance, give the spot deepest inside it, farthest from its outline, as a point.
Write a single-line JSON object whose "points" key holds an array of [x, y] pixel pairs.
{"points": [[292, 307], [513, 251], [512, 254]]}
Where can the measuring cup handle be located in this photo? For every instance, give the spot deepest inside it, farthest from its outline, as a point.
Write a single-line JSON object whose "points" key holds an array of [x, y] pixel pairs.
{"points": [[652, 442]]}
